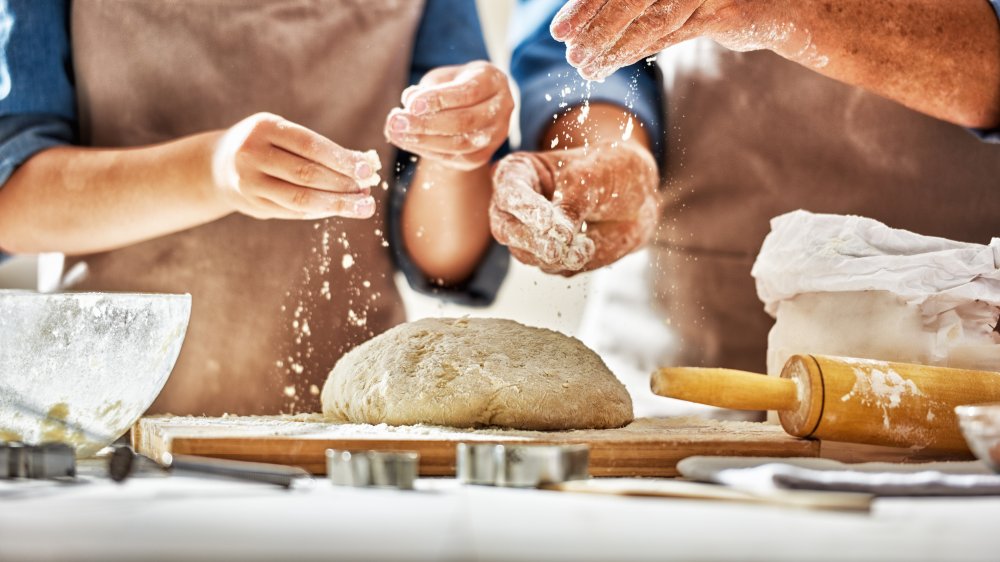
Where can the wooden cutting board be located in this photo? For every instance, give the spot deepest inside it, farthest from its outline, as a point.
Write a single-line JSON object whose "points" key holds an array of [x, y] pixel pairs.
{"points": [[647, 447]]}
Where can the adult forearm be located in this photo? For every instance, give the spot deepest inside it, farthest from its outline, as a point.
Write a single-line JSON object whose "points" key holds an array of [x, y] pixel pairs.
{"points": [[445, 220], [940, 57], [80, 200]]}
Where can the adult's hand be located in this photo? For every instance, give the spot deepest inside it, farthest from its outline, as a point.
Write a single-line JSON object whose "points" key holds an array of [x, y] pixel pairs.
{"points": [[457, 116], [605, 35], [937, 57], [575, 210], [267, 167]]}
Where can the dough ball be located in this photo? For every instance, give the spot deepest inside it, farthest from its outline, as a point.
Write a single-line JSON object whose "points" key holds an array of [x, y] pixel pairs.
{"points": [[473, 372]]}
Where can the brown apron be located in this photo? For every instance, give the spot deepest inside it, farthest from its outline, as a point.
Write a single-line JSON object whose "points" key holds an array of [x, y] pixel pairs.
{"points": [[275, 303], [760, 136]]}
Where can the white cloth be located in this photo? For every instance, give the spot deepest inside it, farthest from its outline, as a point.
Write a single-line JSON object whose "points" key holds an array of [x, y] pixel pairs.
{"points": [[940, 296], [812, 253], [762, 475]]}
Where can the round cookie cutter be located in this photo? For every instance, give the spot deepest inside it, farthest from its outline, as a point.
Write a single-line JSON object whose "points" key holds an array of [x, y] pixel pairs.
{"points": [[372, 469], [520, 466]]}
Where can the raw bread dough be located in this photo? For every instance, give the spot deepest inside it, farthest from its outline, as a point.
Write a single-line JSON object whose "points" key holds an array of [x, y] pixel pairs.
{"points": [[473, 372]]}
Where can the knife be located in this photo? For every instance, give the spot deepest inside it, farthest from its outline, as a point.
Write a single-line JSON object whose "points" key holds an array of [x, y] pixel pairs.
{"points": [[124, 462]]}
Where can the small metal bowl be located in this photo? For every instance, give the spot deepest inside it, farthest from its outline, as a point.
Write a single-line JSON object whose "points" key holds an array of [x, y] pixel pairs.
{"points": [[981, 427]]}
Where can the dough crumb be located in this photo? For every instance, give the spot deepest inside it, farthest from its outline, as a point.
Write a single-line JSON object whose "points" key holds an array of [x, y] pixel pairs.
{"points": [[371, 181]]}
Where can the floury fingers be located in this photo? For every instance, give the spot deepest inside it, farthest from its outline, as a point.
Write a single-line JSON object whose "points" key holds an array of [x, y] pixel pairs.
{"points": [[538, 230], [575, 210], [457, 116]]}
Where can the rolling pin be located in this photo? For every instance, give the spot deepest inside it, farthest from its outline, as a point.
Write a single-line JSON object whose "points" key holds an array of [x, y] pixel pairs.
{"points": [[843, 399]]}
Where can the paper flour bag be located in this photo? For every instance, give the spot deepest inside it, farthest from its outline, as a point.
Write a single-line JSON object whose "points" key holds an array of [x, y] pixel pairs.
{"points": [[852, 286]]}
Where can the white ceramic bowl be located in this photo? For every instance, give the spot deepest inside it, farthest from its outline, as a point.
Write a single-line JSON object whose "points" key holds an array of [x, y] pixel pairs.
{"points": [[981, 427], [82, 367]]}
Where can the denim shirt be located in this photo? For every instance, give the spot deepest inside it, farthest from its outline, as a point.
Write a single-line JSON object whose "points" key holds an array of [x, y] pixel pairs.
{"points": [[39, 111], [990, 135], [550, 86]]}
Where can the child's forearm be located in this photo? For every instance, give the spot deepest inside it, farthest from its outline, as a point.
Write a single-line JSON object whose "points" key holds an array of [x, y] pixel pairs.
{"points": [[445, 220], [80, 200]]}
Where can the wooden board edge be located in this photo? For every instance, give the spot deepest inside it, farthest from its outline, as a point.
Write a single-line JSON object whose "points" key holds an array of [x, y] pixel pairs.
{"points": [[437, 458], [150, 439]]}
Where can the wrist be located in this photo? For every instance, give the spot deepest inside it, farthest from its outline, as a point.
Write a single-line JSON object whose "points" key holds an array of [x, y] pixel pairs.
{"points": [[436, 179], [209, 174], [781, 26]]}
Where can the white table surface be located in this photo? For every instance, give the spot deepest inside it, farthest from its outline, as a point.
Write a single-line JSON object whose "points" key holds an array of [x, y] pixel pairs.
{"points": [[156, 518]]}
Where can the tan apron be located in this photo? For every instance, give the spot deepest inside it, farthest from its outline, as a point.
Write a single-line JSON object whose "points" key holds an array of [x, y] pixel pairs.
{"points": [[757, 136], [275, 303]]}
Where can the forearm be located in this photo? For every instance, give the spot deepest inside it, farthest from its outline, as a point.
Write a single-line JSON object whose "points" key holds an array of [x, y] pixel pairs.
{"points": [[603, 122], [445, 220], [80, 200], [940, 57]]}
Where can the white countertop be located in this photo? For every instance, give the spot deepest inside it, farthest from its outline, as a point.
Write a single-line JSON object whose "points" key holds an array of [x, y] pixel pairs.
{"points": [[178, 517]]}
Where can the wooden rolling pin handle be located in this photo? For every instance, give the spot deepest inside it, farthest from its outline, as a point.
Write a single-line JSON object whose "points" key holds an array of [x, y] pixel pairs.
{"points": [[726, 388]]}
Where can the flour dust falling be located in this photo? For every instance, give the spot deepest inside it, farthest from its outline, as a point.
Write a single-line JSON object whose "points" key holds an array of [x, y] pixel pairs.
{"points": [[337, 272]]}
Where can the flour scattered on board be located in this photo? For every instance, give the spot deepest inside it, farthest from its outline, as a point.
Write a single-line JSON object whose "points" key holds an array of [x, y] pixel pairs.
{"points": [[316, 425]]}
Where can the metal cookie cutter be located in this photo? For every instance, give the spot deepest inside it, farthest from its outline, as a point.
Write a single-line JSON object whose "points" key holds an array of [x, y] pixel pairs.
{"points": [[37, 462], [372, 469], [520, 466]]}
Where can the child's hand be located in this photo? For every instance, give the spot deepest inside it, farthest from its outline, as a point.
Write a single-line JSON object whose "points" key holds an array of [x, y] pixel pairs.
{"points": [[457, 115], [270, 168]]}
